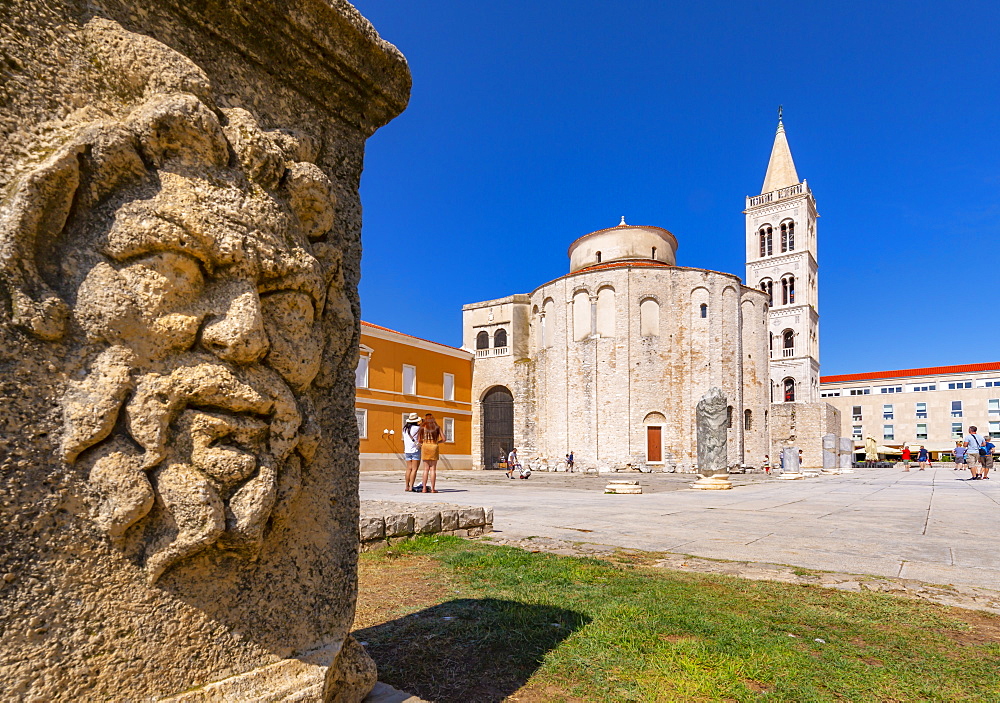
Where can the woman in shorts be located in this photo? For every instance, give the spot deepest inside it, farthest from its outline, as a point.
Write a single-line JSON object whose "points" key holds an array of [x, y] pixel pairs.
{"points": [[411, 449], [430, 436]]}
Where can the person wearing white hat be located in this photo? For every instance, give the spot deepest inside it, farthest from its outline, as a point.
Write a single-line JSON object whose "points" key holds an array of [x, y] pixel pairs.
{"points": [[411, 449]]}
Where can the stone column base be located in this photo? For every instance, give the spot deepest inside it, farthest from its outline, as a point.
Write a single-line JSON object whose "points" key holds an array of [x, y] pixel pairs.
{"points": [[712, 483], [623, 487], [790, 476]]}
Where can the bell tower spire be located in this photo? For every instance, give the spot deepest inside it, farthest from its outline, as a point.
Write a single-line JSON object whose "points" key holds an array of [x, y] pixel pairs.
{"points": [[782, 261], [781, 171]]}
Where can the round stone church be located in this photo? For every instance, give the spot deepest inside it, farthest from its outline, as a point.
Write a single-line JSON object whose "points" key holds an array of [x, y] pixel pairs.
{"points": [[609, 360]]}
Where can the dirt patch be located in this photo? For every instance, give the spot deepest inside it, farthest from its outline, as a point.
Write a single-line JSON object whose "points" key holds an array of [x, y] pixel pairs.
{"points": [[543, 693], [389, 588], [872, 661], [983, 629], [756, 686]]}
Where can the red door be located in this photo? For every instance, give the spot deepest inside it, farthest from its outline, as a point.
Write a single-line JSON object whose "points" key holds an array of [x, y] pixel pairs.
{"points": [[654, 445]]}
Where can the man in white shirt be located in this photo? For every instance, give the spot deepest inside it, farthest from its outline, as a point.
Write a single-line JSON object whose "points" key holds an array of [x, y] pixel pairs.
{"points": [[973, 442], [512, 463]]}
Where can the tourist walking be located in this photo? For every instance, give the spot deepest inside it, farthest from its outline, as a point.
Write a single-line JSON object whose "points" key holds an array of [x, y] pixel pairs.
{"points": [[923, 457], [411, 448], [569, 462], [512, 463], [907, 456], [767, 464], [430, 436], [959, 456], [987, 458], [974, 451]]}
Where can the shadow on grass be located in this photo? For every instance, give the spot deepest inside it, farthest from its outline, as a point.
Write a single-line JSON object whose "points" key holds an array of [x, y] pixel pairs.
{"points": [[468, 649]]}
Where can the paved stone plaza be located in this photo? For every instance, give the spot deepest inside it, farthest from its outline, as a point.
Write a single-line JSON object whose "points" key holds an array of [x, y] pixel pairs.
{"points": [[930, 526]]}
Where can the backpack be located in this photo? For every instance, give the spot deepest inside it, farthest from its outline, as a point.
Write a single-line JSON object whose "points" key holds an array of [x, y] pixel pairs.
{"points": [[982, 449]]}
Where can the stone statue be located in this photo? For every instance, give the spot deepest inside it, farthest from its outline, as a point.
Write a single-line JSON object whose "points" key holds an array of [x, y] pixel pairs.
{"points": [[711, 415], [178, 267]]}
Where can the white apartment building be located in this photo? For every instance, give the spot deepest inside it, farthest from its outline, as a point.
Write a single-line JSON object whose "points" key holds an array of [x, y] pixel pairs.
{"points": [[929, 406]]}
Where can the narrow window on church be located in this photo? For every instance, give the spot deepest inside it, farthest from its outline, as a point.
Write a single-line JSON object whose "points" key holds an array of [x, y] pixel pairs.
{"points": [[747, 420], [770, 242], [704, 310], [598, 257], [784, 291], [791, 236], [784, 238], [791, 289], [653, 256], [763, 244], [729, 417], [788, 343], [649, 318]]}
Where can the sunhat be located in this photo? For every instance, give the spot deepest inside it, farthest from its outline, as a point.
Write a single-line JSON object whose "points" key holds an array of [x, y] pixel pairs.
{"points": [[413, 417]]}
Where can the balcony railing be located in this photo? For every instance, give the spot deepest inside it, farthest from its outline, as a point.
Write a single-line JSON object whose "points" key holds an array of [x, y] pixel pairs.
{"points": [[495, 351], [775, 195], [787, 352]]}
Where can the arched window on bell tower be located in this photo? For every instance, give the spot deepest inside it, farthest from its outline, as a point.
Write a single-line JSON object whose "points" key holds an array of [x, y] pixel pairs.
{"points": [[768, 287], [791, 236], [766, 241], [788, 343], [784, 237], [789, 390], [788, 290]]}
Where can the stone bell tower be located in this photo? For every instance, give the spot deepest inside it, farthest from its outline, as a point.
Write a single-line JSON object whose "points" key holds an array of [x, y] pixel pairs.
{"points": [[781, 261]]}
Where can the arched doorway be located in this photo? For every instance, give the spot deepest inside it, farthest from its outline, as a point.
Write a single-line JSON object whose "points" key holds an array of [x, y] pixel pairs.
{"points": [[498, 425]]}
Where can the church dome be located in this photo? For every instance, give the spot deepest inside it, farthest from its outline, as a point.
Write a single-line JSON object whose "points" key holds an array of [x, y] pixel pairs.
{"points": [[623, 243]]}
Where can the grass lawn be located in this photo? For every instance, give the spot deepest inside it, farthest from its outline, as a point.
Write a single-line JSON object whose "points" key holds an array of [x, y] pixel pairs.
{"points": [[453, 620]]}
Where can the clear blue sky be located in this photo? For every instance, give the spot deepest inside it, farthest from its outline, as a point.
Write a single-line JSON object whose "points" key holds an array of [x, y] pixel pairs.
{"points": [[532, 123]]}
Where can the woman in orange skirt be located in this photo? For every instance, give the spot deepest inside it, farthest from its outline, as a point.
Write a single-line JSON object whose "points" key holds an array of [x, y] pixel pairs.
{"points": [[430, 436]]}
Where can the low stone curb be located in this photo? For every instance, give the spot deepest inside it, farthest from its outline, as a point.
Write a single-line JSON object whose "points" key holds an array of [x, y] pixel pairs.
{"points": [[387, 522]]}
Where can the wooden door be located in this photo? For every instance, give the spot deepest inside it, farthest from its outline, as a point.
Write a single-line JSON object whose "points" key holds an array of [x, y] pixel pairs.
{"points": [[654, 443]]}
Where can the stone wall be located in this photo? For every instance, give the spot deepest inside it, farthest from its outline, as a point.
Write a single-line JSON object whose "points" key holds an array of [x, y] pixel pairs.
{"points": [[386, 522], [803, 425], [179, 258]]}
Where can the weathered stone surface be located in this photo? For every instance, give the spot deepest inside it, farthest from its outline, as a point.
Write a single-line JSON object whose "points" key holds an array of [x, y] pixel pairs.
{"points": [[711, 420], [371, 527], [846, 453], [489, 515], [427, 522], [471, 517], [710, 416], [398, 525], [179, 257], [449, 520]]}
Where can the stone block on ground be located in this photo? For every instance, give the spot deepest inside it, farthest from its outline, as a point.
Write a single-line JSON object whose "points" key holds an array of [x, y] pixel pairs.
{"points": [[426, 522], [372, 528], [471, 517], [398, 525], [449, 520]]}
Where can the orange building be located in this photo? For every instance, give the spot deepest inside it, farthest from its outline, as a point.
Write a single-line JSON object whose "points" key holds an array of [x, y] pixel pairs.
{"points": [[398, 374]]}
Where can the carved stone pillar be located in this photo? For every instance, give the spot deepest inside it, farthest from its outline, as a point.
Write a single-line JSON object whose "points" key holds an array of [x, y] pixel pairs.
{"points": [[179, 257], [712, 419]]}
